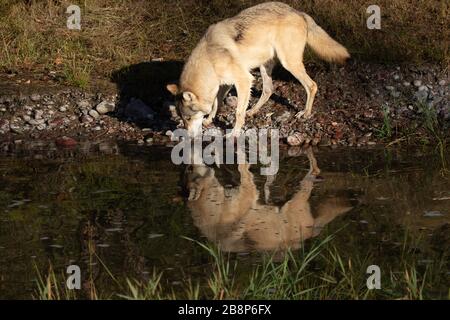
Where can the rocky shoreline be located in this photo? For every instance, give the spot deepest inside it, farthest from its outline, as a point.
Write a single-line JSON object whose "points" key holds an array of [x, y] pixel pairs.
{"points": [[357, 105]]}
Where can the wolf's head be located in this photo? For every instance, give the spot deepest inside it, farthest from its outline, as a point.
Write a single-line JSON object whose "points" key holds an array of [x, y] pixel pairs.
{"points": [[189, 108]]}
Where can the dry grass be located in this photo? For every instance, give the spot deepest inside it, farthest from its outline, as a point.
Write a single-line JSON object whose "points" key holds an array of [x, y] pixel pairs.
{"points": [[33, 33]]}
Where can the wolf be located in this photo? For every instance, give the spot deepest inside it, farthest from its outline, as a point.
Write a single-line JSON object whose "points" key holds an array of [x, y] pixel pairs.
{"points": [[258, 37], [240, 220]]}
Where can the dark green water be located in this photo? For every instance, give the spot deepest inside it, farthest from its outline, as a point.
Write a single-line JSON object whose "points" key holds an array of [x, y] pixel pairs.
{"points": [[129, 206]]}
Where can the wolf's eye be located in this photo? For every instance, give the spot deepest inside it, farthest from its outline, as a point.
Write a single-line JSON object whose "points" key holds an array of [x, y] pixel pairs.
{"points": [[187, 118]]}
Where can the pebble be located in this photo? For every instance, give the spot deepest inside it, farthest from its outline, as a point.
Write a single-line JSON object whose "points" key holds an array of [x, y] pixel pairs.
{"points": [[296, 139], [423, 88], [395, 94], [84, 104], [38, 114], [94, 114], [231, 101], [421, 95], [16, 129], [406, 83], [417, 83], [86, 119], [63, 109], [35, 97], [36, 122], [4, 125], [442, 83], [105, 107]]}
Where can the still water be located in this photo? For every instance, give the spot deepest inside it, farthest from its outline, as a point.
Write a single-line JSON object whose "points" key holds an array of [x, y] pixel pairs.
{"points": [[131, 208]]}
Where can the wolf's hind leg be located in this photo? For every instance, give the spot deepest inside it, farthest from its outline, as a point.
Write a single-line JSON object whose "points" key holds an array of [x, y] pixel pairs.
{"points": [[290, 50], [298, 70], [266, 74]]}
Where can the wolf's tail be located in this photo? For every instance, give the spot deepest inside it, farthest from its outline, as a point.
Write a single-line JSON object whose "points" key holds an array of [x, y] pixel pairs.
{"points": [[323, 45]]}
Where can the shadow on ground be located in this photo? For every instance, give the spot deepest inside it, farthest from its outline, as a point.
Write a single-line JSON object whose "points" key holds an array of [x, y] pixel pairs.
{"points": [[147, 82]]}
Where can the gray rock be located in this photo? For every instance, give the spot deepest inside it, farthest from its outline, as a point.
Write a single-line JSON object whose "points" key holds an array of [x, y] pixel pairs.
{"points": [[231, 101], [63, 108], [86, 119], [442, 83], [285, 116], [395, 94], [138, 111], [105, 107], [35, 97], [417, 83], [421, 95], [36, 122], [406, 83], [4, 125], [423, 88], [296, 139], [38, 114], [16, 128], [84, 104], [94, 114]]}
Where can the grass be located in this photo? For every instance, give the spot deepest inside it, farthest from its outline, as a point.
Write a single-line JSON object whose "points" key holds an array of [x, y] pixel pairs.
{"points": [[386, 129], [115, 34], [318, 271]]}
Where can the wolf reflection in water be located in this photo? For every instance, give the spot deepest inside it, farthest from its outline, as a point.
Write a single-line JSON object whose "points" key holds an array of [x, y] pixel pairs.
{"points": [[239, 221]]}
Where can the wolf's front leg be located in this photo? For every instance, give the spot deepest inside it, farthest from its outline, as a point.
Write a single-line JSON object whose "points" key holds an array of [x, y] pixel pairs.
{"points": [[243, 88], [212, 114]]}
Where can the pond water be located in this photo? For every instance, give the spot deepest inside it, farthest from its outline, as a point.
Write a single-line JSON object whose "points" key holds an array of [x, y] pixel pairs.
{"points": [[126, 210]]}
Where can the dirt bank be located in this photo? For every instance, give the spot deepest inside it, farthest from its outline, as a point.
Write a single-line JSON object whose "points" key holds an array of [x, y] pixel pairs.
{"points": [[358, 104]]}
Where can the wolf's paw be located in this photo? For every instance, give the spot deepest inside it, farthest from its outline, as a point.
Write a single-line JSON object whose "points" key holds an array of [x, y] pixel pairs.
{"points": [[303, 114], [251, 113], [207, 123], [234, 134]]}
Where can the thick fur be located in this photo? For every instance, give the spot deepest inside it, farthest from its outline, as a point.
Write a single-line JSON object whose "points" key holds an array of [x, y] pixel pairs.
{"points": [[230, 49]]}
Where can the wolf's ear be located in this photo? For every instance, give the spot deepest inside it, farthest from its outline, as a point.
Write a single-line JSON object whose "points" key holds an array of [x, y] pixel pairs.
{"points": [[188, 96], [173, 89]]}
